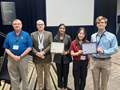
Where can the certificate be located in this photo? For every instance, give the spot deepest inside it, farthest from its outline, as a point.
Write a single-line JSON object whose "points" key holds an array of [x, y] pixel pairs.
{"points": [[89, 48], [57, 47]]}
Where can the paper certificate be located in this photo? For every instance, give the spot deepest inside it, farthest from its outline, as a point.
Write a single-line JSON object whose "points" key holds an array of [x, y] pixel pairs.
{"points": [[89, 48], [57, 47]]}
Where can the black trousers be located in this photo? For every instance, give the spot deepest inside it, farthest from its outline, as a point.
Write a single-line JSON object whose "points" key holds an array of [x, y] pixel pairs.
{"points": [[80, 74], [62, 73]]}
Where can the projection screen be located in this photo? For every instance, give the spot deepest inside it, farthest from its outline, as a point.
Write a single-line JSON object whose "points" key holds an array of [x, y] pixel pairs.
{"points": [[69, 12]]}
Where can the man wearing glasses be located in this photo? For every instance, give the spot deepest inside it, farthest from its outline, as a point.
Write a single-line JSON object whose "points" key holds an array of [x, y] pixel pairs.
{"points": [[41, 54]]}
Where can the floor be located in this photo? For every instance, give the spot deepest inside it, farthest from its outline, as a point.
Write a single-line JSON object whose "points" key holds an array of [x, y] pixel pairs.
{"points": [[114, 79]]}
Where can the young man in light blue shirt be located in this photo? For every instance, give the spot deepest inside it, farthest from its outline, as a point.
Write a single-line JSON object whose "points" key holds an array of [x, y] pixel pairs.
{"points": [[101, 62]]}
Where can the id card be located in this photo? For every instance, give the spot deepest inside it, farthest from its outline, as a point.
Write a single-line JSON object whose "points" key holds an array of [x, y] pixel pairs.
{"points": [[82, 57], [15, 47]]}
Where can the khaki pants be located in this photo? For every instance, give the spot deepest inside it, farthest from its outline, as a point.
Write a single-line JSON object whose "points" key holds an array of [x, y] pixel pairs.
{"points": [[40, 68], [16, 71], [100, 68]]}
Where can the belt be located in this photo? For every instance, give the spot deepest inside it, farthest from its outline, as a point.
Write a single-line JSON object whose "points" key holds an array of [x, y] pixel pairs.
{"points": [[102, 58]]}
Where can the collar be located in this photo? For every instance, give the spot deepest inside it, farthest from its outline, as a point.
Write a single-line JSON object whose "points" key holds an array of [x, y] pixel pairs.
{"points": [[18, 34], [104, 33], [40, 32]]}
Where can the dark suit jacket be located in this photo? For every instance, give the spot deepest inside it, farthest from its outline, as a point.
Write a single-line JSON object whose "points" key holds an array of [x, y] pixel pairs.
{"points": [[67, 42], [46, 43]]}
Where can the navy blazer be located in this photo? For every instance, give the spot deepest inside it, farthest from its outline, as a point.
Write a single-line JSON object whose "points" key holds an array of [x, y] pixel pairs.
{"points": [[66, 58]]}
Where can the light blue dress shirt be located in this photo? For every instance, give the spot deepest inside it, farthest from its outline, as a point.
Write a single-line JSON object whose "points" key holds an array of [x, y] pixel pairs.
{"points": [[107, 42]]}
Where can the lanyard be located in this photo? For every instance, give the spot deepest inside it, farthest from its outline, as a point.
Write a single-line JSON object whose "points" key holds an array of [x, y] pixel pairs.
{"points": [[17, 37], [100, 38], [80, 46], [41, 38]]}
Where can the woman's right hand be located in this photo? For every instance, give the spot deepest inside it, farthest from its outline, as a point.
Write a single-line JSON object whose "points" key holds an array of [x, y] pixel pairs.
{"points": [[79, 52]]}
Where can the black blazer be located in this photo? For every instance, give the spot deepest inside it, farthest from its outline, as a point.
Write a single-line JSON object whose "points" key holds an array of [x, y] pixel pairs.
{"points": [[66, 58]]}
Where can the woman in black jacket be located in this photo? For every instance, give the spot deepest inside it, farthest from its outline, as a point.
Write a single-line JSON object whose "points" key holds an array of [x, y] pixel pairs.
{"points": [[62, 60]]}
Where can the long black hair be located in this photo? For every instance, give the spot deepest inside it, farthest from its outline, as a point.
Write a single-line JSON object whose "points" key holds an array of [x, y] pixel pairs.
{"points": [[77, 38], [58, 34]]}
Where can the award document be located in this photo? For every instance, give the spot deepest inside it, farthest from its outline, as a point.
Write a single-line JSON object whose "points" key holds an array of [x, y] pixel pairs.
{"points": [[57, 47], [89, 48]]}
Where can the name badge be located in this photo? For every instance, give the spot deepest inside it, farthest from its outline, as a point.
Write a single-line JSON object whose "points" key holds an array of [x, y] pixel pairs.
{"points": [[15, 47], [82, 57], [40, 46]]}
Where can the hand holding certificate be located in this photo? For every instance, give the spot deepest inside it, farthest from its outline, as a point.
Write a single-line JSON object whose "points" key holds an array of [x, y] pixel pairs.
{"points": [[89, 48], [57, 47]]}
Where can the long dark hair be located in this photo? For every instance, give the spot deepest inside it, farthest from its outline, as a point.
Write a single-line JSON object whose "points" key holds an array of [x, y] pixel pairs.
{"points": [[58, 34], [77, 38]]}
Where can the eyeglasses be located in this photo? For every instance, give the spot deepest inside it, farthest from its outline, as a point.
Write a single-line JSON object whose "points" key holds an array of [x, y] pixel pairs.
{"points": [[40, 24]]}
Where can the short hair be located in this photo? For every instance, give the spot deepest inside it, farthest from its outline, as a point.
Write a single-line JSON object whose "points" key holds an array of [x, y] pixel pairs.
{"points": [[39, 21], [99, 18], [16, 20]]}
